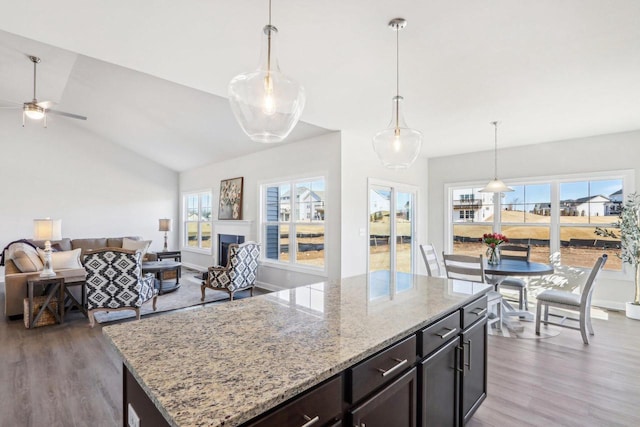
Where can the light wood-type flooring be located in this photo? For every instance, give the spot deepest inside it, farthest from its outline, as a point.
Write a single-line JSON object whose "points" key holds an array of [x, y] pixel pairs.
{"points": [[68, 375]]}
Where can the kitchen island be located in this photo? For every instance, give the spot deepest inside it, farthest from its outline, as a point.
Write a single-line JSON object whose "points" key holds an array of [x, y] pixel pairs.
{"points": [[228, 364]]}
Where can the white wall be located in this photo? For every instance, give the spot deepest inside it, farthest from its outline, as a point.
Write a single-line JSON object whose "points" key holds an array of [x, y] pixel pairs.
{"points": [[597, 153], [97, 188], [320, 155], [360, 162]]}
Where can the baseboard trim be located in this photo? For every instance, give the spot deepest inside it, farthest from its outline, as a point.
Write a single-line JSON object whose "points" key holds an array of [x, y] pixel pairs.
{"points": [[196, 267], [609, 305], [269, 286]]}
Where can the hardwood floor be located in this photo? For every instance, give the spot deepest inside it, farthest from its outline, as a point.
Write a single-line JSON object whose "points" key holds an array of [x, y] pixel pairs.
{"points": [[68, 375]]}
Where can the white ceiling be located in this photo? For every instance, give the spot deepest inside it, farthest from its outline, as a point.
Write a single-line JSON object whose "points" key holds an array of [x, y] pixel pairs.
{"points": [[547, 69]]}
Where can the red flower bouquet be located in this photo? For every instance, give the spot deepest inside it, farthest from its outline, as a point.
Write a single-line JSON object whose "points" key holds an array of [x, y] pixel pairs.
{"points": [[493, 240]]}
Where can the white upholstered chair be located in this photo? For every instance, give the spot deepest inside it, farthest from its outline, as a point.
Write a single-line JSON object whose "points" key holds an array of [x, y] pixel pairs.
{"points": [[580, 303]]}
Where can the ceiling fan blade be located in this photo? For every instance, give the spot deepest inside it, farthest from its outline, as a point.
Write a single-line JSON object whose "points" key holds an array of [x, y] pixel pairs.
{"points": [[9, 104], [45, 104], [62, 113]]}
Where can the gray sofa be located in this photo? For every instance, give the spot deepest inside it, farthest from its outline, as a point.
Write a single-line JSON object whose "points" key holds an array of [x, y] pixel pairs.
{"points": [[16, 281]]}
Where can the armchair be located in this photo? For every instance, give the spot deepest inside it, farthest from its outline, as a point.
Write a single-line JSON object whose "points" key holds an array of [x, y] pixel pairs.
{"points": [[115, 281], [240, 272]]}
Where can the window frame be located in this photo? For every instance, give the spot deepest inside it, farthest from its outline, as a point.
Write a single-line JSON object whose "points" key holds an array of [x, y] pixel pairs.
{"points": [[292, 264], [627, 176], [184, 222]]}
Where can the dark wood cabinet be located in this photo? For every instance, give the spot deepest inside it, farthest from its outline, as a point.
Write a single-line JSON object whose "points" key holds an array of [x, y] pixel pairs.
{"points": [[321, 406], [439, 387], [393, 406], [474, 365]]}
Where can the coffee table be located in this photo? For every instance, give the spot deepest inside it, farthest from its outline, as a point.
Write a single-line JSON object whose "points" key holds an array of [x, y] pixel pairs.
{"points": [[159, 268]]}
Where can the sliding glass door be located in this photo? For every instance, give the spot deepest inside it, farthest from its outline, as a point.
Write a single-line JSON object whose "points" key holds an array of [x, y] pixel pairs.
{"points": [[392, 210]]}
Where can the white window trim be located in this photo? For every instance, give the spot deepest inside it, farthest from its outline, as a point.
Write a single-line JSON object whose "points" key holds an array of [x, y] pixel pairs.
{"points": [[292, 265], [183, 221], [628, 186]]}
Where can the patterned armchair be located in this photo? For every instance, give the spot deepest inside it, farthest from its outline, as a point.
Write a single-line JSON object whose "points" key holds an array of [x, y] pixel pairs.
{"points": [[240, 272], [115, 281]]}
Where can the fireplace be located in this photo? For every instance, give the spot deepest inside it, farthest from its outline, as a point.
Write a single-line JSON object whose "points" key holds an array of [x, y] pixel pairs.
{"points": [[224, 240]]}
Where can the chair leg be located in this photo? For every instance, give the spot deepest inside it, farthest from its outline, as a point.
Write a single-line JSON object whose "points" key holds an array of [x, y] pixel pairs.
{"points": [[230, 296], [583, 328], [589, 325], [521, 299], [91, 318], [526, 299], [155, 300], [546, 314], [252, 288], [137, 310], [202, 289], [538, 314]]}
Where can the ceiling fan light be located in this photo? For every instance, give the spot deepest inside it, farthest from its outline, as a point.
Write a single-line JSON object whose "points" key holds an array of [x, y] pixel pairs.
{"points": [[266, 103], [33, 111]]}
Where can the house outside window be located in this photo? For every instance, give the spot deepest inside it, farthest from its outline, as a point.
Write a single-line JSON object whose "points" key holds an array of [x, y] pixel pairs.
{"points": [[293, 222], [197, 221], [555, 215]]}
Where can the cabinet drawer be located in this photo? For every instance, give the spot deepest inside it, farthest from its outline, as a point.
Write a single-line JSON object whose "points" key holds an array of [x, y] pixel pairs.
{"points": [[438, 334], [474, 311], [381, 368], [314, 408]]}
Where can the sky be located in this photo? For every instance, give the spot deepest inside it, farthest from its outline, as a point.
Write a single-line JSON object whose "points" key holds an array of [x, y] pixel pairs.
{"points": [[541, 193]]}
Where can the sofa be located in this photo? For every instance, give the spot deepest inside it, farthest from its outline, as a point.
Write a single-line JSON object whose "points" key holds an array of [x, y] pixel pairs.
{"points": [[16, 281]]}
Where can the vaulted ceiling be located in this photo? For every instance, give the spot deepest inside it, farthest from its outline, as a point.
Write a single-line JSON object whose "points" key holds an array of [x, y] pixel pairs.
{"points": [[154, 78]]}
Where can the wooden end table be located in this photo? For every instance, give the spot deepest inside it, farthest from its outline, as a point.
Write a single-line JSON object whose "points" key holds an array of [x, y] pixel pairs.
{"points": [[158, 268], [54, 287]]}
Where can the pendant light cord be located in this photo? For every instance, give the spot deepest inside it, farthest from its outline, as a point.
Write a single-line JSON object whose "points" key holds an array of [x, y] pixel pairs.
{"points": [[397, 78], [495, 151], [269, 42]]}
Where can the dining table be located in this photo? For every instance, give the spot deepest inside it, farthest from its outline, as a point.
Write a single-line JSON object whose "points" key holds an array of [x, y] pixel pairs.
{"points": [[496, 273]]}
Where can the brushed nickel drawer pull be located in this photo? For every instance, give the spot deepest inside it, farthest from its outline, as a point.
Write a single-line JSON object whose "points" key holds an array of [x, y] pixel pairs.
{"points": [[446, 334], [310, 421], [480, 313], [395, 368]]}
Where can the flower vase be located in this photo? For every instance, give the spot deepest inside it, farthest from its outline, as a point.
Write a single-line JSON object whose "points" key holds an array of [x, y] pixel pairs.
{"points": [[493, 256]]}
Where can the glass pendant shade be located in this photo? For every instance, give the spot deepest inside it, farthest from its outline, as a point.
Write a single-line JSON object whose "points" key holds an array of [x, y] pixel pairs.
{"points": [[266, 103], [397, 146]]}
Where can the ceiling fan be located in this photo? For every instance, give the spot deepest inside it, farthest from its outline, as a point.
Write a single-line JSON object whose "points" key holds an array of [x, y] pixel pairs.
{"points": [[38, 110]]}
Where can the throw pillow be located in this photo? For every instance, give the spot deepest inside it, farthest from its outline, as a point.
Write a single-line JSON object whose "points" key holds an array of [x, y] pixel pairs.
{"points": [[63, 260], [135, 245], [27, 262], [25, 257]]}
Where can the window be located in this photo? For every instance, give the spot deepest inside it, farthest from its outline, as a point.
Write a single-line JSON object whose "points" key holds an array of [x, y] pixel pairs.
{"points": [[293, 227], [552, 215], [197, 220]]}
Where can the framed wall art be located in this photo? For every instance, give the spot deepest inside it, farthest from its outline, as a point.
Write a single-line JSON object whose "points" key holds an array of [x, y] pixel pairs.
{"points": [[230, 199]]}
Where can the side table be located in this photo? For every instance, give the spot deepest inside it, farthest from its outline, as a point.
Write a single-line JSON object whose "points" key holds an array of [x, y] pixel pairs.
{"points": [[174, 255], [70, 299], [54, 287]]}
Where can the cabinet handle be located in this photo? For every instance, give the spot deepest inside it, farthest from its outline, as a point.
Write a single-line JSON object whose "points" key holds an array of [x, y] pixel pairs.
{"points": [[468, 365], [480, 313], [460, 358], [395, 368], [309, 421], [446, 334]]}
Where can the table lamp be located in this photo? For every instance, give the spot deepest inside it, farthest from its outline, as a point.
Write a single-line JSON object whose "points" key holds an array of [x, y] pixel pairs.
{"points": [[47, 229], [165, 225]]}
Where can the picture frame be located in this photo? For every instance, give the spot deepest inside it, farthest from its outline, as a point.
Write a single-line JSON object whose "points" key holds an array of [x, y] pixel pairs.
{"points": [[231, 199]]}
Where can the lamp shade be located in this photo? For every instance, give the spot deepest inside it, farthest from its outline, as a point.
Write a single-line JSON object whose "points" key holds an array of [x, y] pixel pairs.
{"points": [[164, 224], [47, 229]]}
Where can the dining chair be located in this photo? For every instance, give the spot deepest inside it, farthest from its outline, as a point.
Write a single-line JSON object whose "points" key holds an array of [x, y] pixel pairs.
{"points": [[580, 303], [471, 268], [430, 257], [519, 253]]}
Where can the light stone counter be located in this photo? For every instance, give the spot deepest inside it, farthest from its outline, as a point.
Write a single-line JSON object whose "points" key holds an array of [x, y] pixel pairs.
{"points": [[227, 363]]}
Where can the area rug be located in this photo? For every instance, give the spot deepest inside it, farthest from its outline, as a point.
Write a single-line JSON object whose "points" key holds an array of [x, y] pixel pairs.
{"points": [[188, 295]]}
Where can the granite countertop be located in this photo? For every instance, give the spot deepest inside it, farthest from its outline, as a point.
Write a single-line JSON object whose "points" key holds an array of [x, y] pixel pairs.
{"points": [[225, 364]]}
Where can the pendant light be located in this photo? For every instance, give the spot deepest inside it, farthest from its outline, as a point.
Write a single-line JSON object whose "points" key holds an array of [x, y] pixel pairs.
{"points": [[496, 186], [266, 103], [397, 146]]}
